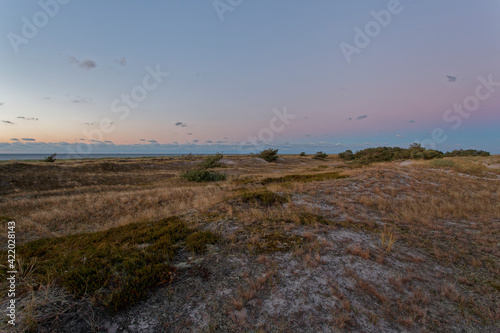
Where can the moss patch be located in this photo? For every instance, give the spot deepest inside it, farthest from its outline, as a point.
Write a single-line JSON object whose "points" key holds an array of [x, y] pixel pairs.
{"points": [[116, 267], [304, 178]]}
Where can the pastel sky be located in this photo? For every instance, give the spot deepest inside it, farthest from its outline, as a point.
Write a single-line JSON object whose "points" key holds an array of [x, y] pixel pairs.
{"points": [[76, 75]]}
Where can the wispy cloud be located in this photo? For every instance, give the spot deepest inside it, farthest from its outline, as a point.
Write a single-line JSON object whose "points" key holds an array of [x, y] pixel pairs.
{"points": [[364, 116], [152, 141], [190, 134], [1, 103], [209, 141], [451, 78], [85, 64], [81, 100], [411, 121], [399, 136], [14, 139], [8, 122], [121, 61], [90, 124], [181, 124], [26, 118], [28, 139], [196, 141]]}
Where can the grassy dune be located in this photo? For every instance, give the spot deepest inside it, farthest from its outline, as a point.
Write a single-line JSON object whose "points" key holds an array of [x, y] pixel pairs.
{"points": [[295, 245]]}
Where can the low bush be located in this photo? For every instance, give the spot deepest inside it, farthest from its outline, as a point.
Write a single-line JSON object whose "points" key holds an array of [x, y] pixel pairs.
{"points": [[211, 162], [269, 155], [302, 154], [198, 241], [50, 159], [203, 175], [320, 155], [468, 152], [387, 154], [116, 267]]}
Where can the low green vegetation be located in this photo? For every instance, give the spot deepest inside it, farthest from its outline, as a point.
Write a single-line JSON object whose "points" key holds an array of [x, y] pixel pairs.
{"points": [[320, 156], [212, 161], [415, 151], [302, 154], [269, 155], [468, 152], [263, 197], [197, 242], [201, 172], [203, 175], [303, 178], [116, 267], [50, 159], [387, 154]]}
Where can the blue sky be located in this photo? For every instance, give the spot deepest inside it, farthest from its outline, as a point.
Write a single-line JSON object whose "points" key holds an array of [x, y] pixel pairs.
{"points": [[62, 87]]}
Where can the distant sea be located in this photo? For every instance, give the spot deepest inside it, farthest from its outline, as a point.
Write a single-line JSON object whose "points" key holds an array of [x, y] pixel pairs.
{"points": [[23, 157]]}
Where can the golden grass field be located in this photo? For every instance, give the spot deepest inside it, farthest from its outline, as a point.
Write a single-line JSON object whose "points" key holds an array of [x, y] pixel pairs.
{"points": [[300, 245]]}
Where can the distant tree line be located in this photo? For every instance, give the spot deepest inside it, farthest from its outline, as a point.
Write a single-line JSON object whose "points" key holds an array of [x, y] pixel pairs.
{"points": [[415, 151]]}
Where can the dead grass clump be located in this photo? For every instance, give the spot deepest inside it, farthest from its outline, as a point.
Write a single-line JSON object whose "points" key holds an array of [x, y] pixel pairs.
{"points": [[356, 250], [367, 287], [387, 238]]}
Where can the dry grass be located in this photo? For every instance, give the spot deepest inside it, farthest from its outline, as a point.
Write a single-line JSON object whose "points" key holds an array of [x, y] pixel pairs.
{"points": [[425, 215]]}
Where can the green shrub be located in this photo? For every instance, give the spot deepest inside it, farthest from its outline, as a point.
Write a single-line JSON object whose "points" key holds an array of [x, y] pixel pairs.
{"points": [[320, 155], [211, 161], [197, 241], [302, 154], [269, 155], [468, 152], [50, 159], [265, 197], [387, 154], [203, 175], [348, 155]]}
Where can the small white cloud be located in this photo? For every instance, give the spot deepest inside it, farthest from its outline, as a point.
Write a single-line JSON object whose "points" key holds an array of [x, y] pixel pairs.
{"points": [[121, 61]]}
